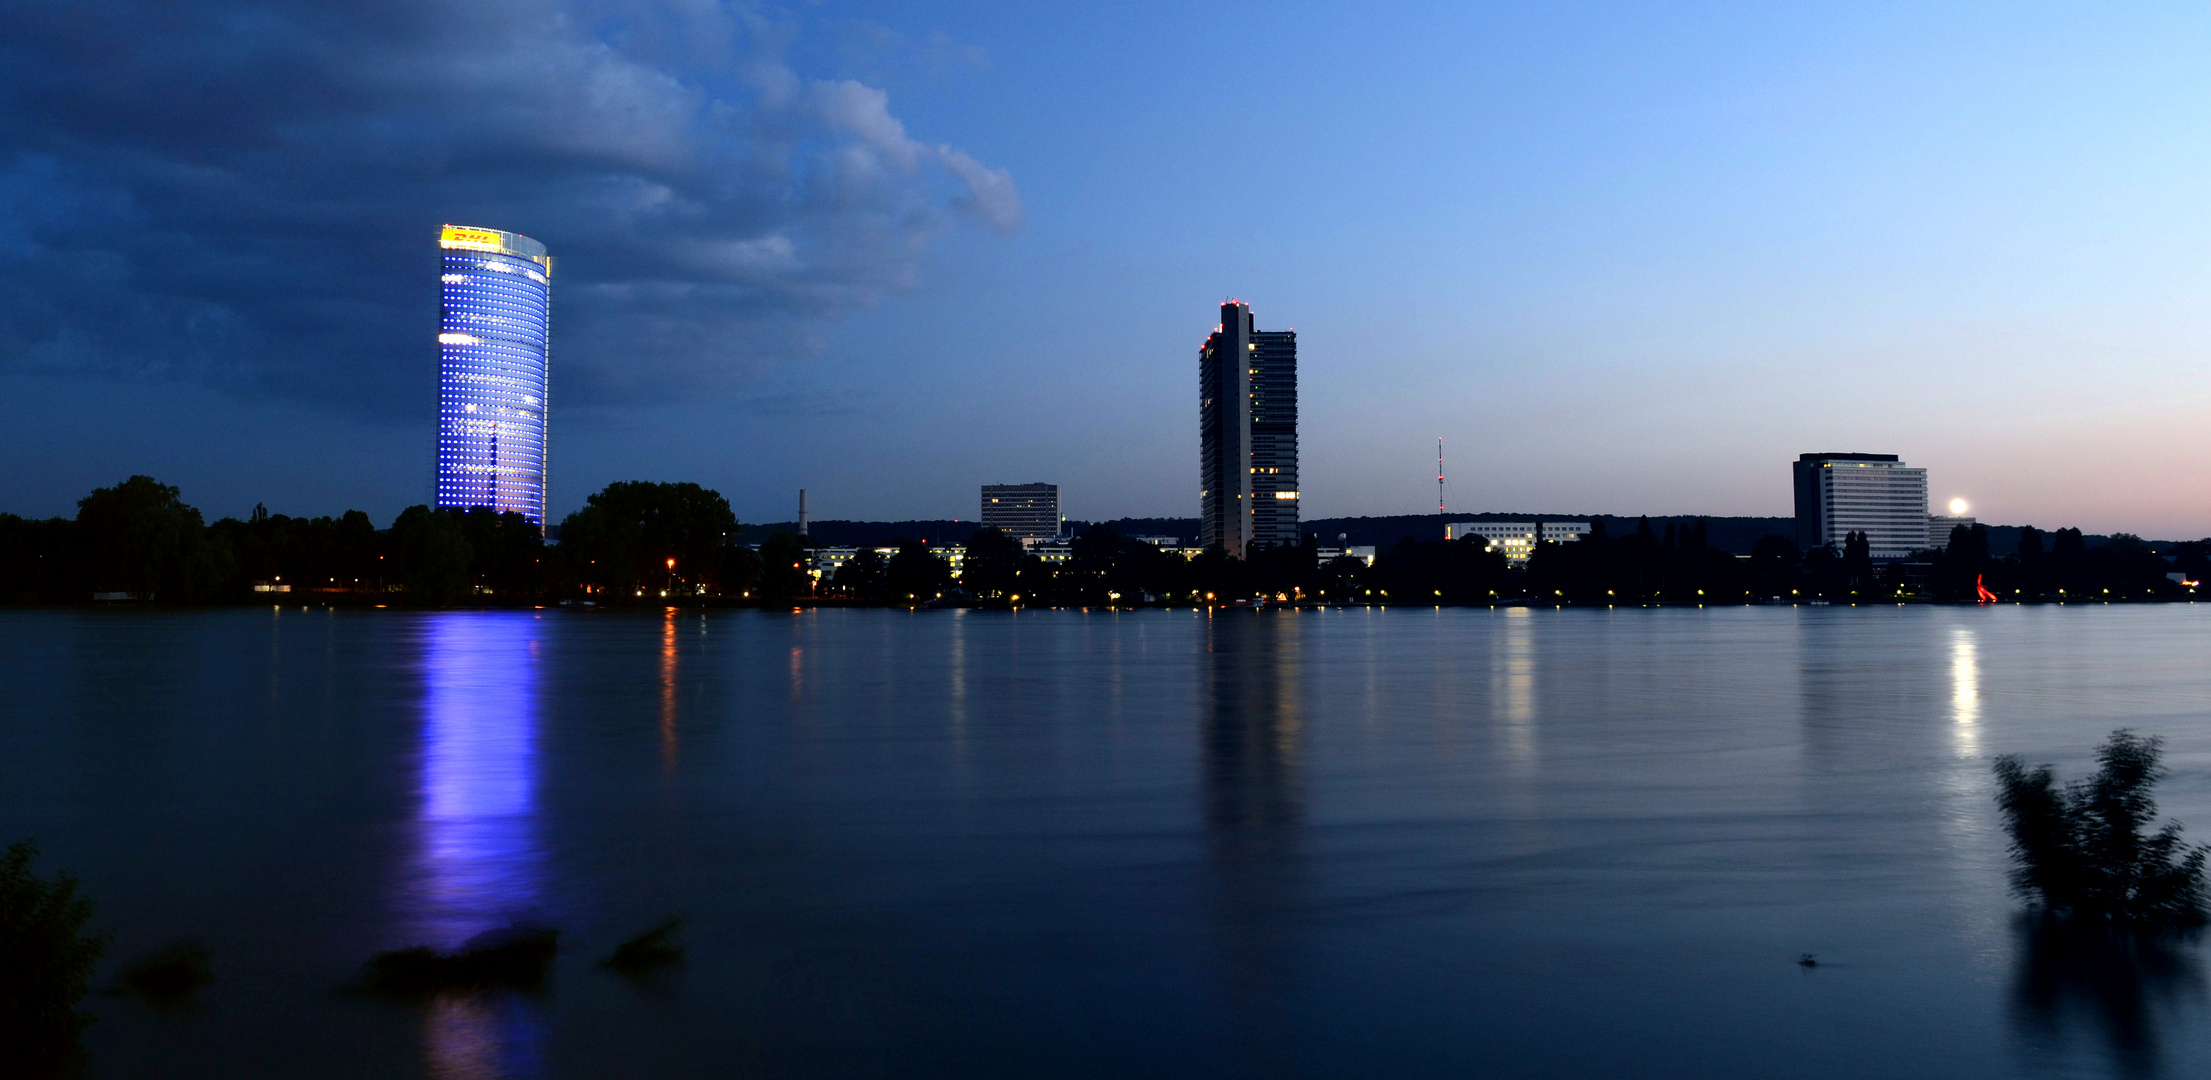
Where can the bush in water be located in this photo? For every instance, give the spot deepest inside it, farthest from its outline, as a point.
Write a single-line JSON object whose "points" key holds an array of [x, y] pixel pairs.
{"points": [[515, 956], [169, 974], [2081, 852], [655, 948], [46, 957]]}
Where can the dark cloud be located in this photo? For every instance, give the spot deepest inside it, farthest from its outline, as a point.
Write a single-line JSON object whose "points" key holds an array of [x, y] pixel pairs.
{"points": [[247, 194]]}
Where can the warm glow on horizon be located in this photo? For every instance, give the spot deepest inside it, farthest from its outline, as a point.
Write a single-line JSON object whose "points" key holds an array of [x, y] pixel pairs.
{"points": [[1958, 507]]}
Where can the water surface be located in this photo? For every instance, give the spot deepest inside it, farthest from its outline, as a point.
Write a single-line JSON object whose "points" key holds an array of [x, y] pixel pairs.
{"points": [[1323, 843]]}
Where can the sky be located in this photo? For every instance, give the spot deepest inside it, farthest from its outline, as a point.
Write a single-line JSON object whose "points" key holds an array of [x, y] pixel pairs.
{"points": [[1622, 258]]}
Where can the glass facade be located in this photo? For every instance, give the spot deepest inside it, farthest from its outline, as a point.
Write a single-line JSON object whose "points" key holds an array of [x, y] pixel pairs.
{"points": [[492, 371]]}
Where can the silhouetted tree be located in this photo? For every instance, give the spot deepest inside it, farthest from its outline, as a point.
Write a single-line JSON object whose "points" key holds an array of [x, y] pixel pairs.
{"points": [[2082, 853], [782, 570], [1857, 561], [862, 578], [506, 552], [1458, 571], [915, 574], [46, 960], [1340, 580], [991, 565], [621, 540], [433, 555], [1776, 566], [139, 537], [1279, 570], [39, 561], [1962, 563]]}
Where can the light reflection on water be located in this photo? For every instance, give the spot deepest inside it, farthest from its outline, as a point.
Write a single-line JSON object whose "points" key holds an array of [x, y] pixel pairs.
{"points": [[668, 738], [1515, 672], [1965, 692], [480, 860], [1254, 805]]}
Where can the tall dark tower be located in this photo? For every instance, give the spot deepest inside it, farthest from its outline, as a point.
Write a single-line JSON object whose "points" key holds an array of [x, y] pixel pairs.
{"points": [[1247, 435]]}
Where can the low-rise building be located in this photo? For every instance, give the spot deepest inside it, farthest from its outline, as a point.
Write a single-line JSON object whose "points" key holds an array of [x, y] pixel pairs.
{"points": [[1517, 539]]}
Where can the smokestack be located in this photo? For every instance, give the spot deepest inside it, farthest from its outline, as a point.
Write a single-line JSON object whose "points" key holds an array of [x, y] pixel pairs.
{"points": [[802, 511]]}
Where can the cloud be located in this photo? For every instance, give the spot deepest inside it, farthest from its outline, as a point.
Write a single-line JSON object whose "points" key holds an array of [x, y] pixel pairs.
{"points": [[246, 194]]}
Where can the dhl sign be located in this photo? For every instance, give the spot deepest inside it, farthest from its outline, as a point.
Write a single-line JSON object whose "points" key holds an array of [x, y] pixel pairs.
{"points": [[457, 236]]}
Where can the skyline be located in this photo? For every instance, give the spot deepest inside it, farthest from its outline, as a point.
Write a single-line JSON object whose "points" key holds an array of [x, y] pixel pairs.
{"points": [[1630, 264]]}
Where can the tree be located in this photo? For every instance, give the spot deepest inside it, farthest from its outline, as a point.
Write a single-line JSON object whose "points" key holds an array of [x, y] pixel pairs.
{"points": [[506, 552], [46, 957], [139, 537], [991, 565], [861, 577], [433, 554], [39, 560], [1275, 569], [915, 574], [1857, 560], [1776, 566], [2080, 853], [1963, 562], [782, 569], [1458, 571], [622, 539]]}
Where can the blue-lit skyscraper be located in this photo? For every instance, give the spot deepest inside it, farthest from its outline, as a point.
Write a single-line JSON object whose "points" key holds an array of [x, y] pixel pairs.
{"points": [[492, 371]]}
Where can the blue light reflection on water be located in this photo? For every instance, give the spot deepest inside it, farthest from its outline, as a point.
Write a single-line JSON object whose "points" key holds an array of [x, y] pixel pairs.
{"points": [[480, 861]]}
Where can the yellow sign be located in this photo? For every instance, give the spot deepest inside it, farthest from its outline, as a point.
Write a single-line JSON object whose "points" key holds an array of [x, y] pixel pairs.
{"points": [[456, 236]]}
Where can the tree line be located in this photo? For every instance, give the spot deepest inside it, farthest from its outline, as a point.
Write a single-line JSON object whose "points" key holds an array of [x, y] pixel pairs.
{"points": [[140, 541], [655, 543]]}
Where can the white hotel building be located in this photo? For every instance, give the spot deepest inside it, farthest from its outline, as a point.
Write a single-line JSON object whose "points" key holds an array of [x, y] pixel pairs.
{"points": [[1876, 494]]}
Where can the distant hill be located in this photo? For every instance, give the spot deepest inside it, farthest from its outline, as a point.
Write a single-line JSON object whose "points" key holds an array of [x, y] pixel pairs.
{"points": [[1729, 533], [865, 533], [1726, 533], [1734, 534]]}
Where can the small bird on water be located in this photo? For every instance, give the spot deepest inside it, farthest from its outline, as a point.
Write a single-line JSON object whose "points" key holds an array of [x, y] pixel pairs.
{"points": [[1807, 961]]}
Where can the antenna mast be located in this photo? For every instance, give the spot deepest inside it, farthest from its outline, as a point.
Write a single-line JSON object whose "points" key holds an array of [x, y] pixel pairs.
{"points": [[1439, 474]]}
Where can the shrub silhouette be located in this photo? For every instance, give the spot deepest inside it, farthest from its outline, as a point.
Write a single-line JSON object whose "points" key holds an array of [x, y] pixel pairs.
{"points": [[2081, 852], [653, 949], [516, 956], [168, 975], [46, 957]]}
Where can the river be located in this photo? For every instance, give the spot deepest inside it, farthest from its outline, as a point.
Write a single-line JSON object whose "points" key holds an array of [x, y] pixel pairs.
{"points": [[1405, 842]]}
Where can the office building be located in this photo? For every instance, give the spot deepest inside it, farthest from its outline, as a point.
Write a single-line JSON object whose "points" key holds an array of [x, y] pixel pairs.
{"points": [[1247, 435], [1876, 494], [1028, 511], [492, 377], [1517, 539]]}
